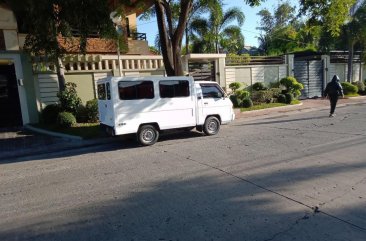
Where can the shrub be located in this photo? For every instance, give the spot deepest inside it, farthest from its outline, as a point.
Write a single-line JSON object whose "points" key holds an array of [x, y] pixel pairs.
{"points": [[274, 85], [81, 114], [259, 86], [66, 119], [349, 88], [292, 86], [69, 99], [235, 86], [49, 113], [247, 103], [289, 98], [361, 86], [235, 100], [275, 92], [242, 94], [281, 98], [262, 96], [92, 111]]}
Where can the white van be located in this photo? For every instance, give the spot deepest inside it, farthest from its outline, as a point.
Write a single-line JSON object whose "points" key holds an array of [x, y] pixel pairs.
{"points": [[148, 105]]}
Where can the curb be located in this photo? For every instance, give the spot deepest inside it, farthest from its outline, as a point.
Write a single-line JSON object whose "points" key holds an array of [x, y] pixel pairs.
{"points": [[52, 133], [237, 110]]}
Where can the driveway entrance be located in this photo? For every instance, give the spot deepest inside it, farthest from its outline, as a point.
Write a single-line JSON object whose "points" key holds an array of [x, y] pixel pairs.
{"points": [[309, 72], [9, 98]]}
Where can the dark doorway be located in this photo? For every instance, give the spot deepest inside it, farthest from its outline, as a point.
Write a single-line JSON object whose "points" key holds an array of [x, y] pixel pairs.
{"points": [[10, 113]]}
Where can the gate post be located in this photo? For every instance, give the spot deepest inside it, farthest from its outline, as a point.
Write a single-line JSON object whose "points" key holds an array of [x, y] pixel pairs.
{"points": [[326, 72], [290, 64]]}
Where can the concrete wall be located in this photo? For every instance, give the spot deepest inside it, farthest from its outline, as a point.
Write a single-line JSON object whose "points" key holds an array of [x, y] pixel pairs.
{"points": [[30, 89], [85, 85], [251, 74], [8, 25], [341, 69]]}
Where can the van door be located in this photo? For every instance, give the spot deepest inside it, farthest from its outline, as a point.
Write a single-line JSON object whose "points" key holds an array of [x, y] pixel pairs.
{"points": [[105, 105], [212, 101]]}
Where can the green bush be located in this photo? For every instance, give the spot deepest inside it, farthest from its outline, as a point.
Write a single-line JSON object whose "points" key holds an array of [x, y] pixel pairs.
{"points": [[349, 89], [247, 103], [235, 86], [289, 98], [81, 114], [69, 99], [281, 98], [275, 92], [242, 94], [258, 86], [361, 86], [66, 119], [262, 96], [292, 86], [274, 85], [49, 113], [92, 111], [235, 100]]}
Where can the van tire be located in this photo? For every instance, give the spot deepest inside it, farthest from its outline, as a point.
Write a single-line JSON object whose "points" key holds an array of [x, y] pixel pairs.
{"points": [[211, 126], [147, 135]]}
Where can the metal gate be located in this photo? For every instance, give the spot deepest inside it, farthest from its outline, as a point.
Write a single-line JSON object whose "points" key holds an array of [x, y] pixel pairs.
{"points": [[202, 71], [310, 74]]}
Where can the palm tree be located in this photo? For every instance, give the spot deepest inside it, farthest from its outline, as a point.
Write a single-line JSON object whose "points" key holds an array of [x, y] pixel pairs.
{"points": [[208, 35]]}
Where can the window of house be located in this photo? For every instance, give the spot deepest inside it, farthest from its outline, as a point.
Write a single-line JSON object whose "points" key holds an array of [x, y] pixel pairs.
{"points": [[174, 88], [132, 90], [101, 92], [211, 91]]}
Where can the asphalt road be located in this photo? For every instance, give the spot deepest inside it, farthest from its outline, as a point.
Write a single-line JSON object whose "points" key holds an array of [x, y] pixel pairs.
{"points": [[294, 177]]}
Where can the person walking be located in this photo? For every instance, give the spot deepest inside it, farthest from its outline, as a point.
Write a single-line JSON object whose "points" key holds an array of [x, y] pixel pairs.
{"points": [[332, 91]]}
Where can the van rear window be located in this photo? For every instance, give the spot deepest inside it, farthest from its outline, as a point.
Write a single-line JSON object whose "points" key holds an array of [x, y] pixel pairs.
{"points": [[101, 92], [133, 90], [173, 88]]}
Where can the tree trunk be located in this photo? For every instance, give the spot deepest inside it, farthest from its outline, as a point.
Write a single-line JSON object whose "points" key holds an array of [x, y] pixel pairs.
{"points": [[60, 75], [187, 41], [350, 61], [165, 42], [170, 39]]}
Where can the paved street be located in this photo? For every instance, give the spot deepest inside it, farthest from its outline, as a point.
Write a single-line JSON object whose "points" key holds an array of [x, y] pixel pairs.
{"points": [[295, 176]]}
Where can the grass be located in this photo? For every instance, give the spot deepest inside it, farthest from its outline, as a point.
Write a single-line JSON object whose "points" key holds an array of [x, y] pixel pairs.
{"points": [[269, 105], [84, 130], [351, 95]]}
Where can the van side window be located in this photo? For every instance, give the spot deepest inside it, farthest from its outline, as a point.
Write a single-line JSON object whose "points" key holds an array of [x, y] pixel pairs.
{"points": [[174, 88], [101, 92], [133, 90], [108, 91], [211, 91]]}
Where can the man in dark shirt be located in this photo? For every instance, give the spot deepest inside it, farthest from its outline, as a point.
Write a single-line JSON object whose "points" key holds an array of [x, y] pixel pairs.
{"points": [[332, 92]]}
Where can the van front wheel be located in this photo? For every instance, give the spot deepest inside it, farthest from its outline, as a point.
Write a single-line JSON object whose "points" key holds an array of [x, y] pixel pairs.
{"points": [[211, 126], [147, 135]]}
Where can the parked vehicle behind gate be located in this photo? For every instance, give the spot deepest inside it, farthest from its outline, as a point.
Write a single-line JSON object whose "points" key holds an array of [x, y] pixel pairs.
{"points": [[149, 105]]}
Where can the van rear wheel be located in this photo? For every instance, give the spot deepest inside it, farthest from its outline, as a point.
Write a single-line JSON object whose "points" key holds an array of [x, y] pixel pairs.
{"points": [[147, 135], [211, 126]]}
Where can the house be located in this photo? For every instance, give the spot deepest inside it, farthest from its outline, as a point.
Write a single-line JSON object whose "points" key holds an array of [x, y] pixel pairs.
{"points": [[27, 85]]}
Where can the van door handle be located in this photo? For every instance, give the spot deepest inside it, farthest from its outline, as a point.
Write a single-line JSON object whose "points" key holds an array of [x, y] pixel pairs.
{"points": [[206, 103]]}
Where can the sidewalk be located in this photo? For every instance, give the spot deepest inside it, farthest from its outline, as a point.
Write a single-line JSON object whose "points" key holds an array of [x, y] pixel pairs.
{"points": [[20, 142], [305, 106]]}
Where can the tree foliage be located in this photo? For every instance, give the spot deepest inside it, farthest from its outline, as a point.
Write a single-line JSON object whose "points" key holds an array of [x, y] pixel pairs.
{"points": [[333, 14], [282, 32], [215, 32], [172, 28], [44, 21]]}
